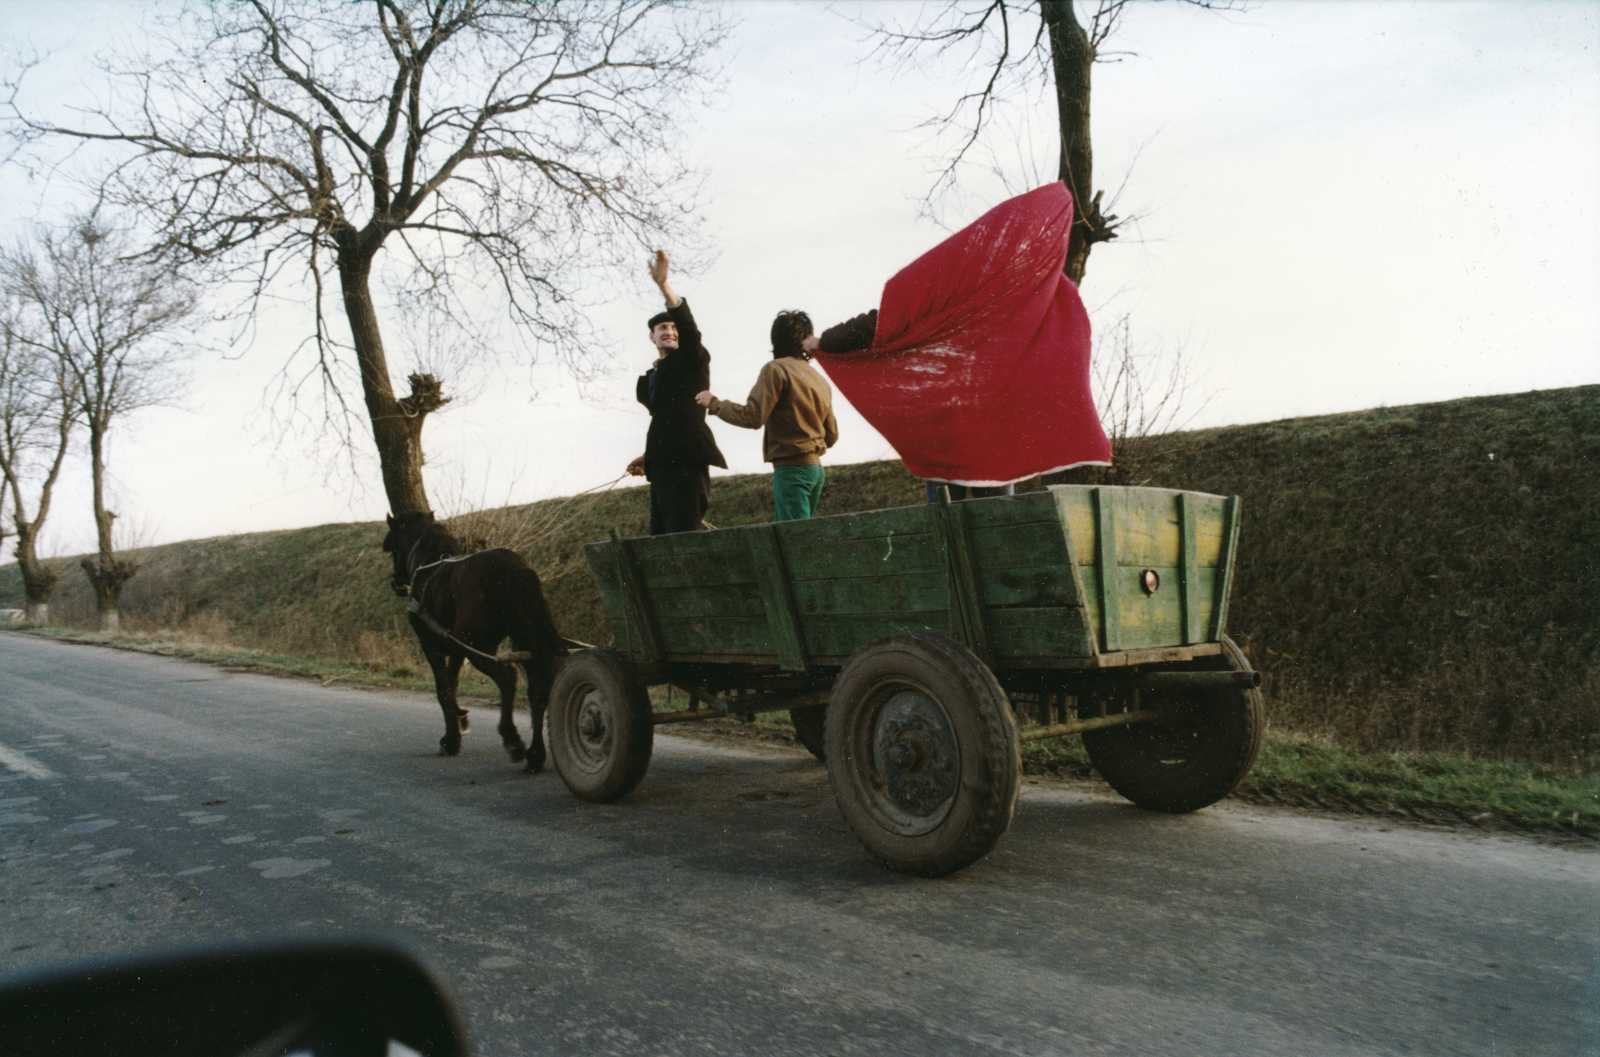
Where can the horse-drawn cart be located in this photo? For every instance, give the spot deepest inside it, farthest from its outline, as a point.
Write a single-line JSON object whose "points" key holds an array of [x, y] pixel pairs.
{"points": [[907, 629]]}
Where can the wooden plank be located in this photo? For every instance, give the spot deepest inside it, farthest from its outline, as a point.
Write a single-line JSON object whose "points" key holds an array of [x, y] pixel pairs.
{"points": [[878, 594], [1066, 504], [1153, 620], [895, 554], [1036, 586], [1106, 567], [698, 559], [783, 619], [1075, 509], [1160, 655], [1147, 524], [842, 635], [1054, 631], [714, 600], [966, 610], [642, 634], [611, 601], [1188, 568], [744, 636], [1027, 543], [1051, 585], [1230, 535]]}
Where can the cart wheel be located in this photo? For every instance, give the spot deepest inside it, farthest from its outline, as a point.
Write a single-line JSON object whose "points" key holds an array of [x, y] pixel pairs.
{"points": [[810, 730], [922, 753], [1193, 757], [600, 730]]}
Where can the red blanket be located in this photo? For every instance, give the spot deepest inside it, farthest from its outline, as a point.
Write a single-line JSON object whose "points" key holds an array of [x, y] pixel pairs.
{"points": [[979, 371]]}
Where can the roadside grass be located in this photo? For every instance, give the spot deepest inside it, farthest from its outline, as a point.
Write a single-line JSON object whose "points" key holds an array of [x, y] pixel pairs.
{"points": [[1432, 788], [1292, 770], [241, 659]]}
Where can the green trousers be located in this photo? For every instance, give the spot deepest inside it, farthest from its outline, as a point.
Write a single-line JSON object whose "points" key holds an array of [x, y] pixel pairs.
{"points": [[796, 491]]}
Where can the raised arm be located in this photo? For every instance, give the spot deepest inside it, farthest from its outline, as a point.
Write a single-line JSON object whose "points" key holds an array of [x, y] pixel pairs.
{"points": [[688, 331], [852, 335]]}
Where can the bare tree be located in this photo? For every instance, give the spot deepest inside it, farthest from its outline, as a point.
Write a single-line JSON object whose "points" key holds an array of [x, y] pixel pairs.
{"points": [[1140, 397], [1011, 45], [38, 410], [112, 326], [506, 148]]}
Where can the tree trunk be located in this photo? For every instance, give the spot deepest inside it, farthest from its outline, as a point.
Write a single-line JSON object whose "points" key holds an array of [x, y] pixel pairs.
{"points": [[396, 424], [1072, 59], [38, 579], [106, 573]]}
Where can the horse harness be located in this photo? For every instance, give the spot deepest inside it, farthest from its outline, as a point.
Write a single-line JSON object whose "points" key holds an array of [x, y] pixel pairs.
{"points": [[415, 608]]}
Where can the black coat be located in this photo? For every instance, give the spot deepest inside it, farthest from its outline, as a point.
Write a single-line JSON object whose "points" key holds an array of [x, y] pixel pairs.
{"points": [[679, 435], [853, 335]]}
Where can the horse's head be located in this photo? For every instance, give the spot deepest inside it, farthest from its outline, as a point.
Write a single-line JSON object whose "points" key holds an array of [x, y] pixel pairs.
{"points": [[402, 542]]}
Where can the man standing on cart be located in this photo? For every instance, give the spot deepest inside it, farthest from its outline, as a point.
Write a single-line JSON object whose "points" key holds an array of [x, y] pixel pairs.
{"points": [[679, 449]]}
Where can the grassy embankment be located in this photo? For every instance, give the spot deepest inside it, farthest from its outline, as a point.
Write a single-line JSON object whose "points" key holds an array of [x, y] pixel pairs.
{"points": [[1421, 586]]}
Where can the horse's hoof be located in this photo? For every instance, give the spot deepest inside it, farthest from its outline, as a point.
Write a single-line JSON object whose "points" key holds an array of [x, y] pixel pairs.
{"points": [[535, 765], [516, 752], [449, 746]]}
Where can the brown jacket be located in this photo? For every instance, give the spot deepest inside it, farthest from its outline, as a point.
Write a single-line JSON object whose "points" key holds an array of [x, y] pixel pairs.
{"points": [[795, 404]]}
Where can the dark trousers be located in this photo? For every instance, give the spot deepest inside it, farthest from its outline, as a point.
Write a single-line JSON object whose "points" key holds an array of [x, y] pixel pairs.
{"points": [[679, 496]]}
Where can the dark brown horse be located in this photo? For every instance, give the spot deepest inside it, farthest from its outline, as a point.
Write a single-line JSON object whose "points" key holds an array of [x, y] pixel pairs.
{"points": [[462, 606]]}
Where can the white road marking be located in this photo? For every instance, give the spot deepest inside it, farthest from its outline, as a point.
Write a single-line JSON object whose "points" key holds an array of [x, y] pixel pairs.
{"points": [[12, 760]]}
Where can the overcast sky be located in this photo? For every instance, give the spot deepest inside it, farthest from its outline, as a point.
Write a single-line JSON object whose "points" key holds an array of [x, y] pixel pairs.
{"points": [[1340, 205]]}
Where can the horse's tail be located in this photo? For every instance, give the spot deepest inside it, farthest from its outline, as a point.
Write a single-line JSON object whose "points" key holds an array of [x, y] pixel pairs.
{"points": [[533, 630]]}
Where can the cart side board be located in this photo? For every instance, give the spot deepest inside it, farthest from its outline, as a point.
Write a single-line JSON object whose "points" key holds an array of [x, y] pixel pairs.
{"points": [[1048, 579]]}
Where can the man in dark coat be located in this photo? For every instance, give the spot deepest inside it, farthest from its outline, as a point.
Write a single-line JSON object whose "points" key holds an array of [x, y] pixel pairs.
{"points": [[679, 449]]}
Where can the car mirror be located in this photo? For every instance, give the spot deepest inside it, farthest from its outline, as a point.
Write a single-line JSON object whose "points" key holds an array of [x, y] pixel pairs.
{"points": [[318, 999]]}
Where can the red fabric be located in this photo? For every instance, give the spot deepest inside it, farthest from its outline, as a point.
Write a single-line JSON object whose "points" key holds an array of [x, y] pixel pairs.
{"points": [[979, 371]]}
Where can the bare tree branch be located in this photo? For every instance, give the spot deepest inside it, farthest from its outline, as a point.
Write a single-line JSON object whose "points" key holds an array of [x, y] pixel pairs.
{"points": [[532, 144], [1059, 56], [108, 328]]}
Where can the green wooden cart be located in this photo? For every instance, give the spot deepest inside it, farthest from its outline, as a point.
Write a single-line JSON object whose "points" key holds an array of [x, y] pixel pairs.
{"points": [[898, 640]]}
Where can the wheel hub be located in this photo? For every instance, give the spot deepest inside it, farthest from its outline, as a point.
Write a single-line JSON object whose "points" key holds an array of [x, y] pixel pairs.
{"points": [[592, 720], [915, 759]]}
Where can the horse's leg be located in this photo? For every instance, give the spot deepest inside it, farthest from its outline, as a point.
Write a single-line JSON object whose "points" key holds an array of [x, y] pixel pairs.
{"points": [[453, 671], [539, 672], [505, 679], [445, 672]]}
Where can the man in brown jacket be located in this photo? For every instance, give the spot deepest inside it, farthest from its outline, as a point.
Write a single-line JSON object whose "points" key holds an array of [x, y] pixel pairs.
{"points": [[795, 404]]}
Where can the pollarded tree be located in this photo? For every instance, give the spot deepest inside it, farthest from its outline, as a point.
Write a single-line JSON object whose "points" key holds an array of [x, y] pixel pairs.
{"points": [[112, 327], [1011, 46], [500, 147], [38, 409]]}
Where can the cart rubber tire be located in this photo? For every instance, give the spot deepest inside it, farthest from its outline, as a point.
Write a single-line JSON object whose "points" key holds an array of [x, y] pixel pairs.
{"points": [[923, 754], [811, 730], [601, 735], [1192, 760]]}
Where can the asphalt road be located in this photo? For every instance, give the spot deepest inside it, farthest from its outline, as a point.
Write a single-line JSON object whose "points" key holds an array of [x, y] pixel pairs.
{"points": [[725, 909]]}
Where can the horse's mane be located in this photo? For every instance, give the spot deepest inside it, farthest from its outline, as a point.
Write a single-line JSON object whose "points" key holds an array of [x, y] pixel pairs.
{"points": [[436, 540]]}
